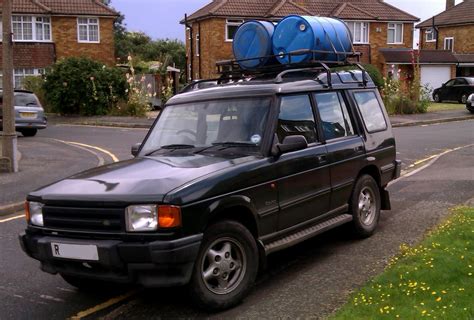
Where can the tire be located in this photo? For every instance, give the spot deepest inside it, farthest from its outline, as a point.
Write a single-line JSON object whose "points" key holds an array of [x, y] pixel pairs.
{"points": [[90, 285], [365, 206], [28, 132], [463, 99], [226, 246], [437, 98]]}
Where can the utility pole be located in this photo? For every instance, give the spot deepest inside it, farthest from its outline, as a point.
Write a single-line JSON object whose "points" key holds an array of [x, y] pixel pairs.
{"points": [[9, 140]]}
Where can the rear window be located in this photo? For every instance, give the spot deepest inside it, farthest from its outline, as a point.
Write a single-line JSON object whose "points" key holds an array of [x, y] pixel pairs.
{"points": [[371, 111], [25, 100]]}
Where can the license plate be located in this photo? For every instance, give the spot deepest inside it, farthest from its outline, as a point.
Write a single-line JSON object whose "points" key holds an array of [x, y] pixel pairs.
{"points": [[28, 115], [75, 251]]}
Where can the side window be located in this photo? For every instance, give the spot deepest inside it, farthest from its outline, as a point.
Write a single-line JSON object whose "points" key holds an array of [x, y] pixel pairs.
{"points": [[450, 83], [335, 119], [371, 111], [296, 118]]}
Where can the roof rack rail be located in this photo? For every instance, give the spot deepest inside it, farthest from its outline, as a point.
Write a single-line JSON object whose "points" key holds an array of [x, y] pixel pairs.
{"points": [[231, 71]]}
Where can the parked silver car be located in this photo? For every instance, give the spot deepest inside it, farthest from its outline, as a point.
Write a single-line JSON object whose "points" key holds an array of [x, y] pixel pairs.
{"points": [[29, 114]]}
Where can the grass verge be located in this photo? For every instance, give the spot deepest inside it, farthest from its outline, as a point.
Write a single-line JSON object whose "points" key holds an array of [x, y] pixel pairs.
{"points": [[434, 279], [433, 107]]}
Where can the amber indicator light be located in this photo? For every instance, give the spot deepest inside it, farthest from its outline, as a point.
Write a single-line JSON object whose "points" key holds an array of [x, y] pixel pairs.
{"points": [[169, 216]]}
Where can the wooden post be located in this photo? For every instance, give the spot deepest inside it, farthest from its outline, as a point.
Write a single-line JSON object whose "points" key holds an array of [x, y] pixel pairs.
{"points": [[9, 140]]}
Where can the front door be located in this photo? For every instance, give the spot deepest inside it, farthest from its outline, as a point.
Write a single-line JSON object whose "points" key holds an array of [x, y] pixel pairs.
{"points": [[303, 176]]}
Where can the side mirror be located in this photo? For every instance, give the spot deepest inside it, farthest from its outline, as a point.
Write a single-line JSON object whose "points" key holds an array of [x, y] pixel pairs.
{"points": [[291, 144], [135, 149]]}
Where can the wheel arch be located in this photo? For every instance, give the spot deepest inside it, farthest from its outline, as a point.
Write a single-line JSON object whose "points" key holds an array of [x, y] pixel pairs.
{"points": [[374, 172]]}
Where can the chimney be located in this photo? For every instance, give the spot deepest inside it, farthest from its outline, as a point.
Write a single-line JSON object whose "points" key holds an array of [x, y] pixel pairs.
{"points": [[450, 4]]}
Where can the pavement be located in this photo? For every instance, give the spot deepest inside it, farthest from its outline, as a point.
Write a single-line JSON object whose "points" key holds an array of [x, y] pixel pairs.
{"points": [[52, 156]]}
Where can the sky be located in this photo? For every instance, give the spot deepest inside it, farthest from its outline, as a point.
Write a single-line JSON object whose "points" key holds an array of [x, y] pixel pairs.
{"points": [[160, 18]]}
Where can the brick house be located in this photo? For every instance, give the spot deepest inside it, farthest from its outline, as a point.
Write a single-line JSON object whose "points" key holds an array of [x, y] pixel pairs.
{"points": [[452, 30], [374, 24], [47, 30]]}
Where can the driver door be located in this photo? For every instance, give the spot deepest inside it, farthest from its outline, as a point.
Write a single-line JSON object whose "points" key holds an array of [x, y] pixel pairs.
{"points": [[303, 176]]}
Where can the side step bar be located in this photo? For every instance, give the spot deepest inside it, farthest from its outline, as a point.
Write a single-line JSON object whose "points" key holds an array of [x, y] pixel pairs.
{"points": [[307, 233]]}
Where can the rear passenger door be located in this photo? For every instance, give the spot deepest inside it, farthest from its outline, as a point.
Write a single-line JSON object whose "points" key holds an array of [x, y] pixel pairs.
{"points": [[303, 176], [345, 146]]}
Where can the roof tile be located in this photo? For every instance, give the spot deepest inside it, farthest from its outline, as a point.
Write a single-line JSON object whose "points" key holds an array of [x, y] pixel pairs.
{"points": [[62, 7], [346, 9], [463, 13]]}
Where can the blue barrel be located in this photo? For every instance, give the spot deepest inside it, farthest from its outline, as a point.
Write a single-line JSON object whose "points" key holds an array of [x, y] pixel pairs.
{"points": [[313, 33], [253, 39]]}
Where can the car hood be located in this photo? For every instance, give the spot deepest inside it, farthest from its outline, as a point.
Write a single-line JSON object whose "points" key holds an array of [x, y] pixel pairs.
{"points": [[139, 180]]}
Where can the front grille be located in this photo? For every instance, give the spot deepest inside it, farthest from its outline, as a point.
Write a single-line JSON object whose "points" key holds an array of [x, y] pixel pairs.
{"points": [[84, 219]]}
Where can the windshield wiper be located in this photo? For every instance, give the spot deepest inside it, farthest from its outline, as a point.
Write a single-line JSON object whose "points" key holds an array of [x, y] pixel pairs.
{"points": [[234, 144], [172, 147]]}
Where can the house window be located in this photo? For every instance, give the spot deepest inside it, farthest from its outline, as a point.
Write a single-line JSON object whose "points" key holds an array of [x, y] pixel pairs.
{"points": [[19, 76], [395, 33], [231, 28], [449, 44], [88, 30], [360, 31], [430, 35], [198, 44], [43, 29]]}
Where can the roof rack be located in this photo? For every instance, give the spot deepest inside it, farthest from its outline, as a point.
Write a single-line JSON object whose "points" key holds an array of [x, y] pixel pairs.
{"points": [[231, 71]]}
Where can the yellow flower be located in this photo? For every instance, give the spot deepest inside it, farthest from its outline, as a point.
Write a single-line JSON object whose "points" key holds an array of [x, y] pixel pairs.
{"points": [[438, 299]]}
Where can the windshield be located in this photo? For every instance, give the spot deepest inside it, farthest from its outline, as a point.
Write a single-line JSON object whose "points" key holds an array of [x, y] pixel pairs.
{"points": [[232, 123]]}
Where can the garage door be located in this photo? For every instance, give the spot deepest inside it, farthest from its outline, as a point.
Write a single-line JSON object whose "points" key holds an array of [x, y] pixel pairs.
{"points": [[435, 76]]}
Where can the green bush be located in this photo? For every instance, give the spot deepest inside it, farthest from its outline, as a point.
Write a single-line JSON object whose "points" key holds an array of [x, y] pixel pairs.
{"points": [[375, 74], [35, 84], [83, 86]]}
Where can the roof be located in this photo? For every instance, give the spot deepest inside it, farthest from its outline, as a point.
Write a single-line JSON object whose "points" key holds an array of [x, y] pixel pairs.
{"points": [[457, 15], [63, 7], [268, 9], [405, 56], [465, 58]]}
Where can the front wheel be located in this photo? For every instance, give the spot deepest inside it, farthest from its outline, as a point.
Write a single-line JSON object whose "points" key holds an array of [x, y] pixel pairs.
{"points": [[365, 206], [226, 267], [437, 98]]}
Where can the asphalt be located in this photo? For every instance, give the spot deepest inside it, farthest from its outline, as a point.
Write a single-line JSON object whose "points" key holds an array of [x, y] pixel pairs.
{"points": [[38, 156]]}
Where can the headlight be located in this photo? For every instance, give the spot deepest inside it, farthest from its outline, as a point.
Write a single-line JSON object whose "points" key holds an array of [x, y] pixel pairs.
{"points": [[140, 218], [35, 213]]}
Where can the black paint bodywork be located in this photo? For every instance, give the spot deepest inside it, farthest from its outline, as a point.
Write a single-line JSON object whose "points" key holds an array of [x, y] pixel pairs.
{"points": [[271, 195]]}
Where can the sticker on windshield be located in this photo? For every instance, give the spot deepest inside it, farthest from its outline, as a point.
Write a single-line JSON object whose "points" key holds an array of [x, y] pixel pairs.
{"points": [[256, 138]]}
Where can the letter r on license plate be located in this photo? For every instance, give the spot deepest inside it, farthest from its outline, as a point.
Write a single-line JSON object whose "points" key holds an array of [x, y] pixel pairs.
{"points": [[75, 251]]}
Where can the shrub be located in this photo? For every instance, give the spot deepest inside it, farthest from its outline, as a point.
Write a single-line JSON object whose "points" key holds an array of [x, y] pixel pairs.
{"points": [[83, 86], [375, 74]]}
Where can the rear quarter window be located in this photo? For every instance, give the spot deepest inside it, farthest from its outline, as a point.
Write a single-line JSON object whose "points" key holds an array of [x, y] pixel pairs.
{"points": [[371, 111]]}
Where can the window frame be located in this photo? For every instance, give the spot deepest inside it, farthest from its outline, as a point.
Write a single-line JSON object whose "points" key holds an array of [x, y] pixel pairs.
{"points": [[309, 95], [452, 43], [231, 23], [395, 32], [350, 116], [432, 32], [34, 22], [361, 116], [36, 73], [88, 24], [353, 30]]}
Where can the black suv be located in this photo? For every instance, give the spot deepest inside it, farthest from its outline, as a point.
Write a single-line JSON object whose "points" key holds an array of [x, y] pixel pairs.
{"points": [[232, 171]]}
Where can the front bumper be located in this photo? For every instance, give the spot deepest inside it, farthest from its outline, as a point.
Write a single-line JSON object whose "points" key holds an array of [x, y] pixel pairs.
{"points": [[152, 264]]}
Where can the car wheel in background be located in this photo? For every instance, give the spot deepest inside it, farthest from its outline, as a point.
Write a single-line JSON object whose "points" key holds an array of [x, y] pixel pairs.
{"points": [[437, 98], [464, 99], [28, 132]]}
